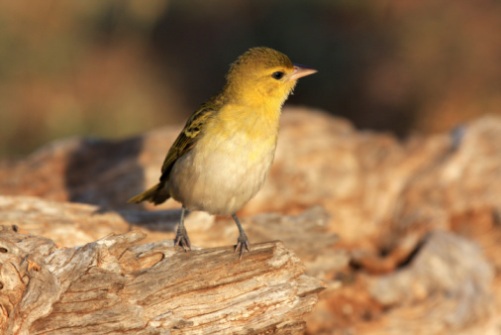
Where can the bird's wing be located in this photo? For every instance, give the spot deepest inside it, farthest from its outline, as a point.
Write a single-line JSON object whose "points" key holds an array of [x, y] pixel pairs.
{"points": [[188, 137]]}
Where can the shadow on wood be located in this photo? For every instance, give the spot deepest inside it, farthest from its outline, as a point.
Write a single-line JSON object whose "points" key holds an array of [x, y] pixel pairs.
{"points": [[115, 285]]}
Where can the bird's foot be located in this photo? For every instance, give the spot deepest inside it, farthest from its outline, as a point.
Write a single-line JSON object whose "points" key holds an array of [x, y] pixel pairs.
{"points": [[242, 245], [182, 239]]}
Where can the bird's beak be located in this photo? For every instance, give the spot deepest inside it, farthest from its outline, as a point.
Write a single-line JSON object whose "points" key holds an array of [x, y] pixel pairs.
{"points": [[301, 71]]}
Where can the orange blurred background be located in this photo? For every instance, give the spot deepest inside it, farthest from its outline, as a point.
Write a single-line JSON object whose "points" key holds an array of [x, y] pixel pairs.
{"points": [[117, 68]]}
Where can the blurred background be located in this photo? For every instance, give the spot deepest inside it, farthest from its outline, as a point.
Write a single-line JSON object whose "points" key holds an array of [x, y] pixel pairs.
{"points": [[118, 68]]}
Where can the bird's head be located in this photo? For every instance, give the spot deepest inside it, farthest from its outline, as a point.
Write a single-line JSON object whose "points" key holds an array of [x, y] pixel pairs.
{"points": [[263, 75]]}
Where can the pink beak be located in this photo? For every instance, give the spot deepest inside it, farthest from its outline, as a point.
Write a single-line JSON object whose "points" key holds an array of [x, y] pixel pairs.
{"points": [[300, 71]]}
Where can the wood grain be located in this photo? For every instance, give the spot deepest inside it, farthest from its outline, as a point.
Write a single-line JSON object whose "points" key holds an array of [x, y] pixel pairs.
{"points": [[117, 286]]}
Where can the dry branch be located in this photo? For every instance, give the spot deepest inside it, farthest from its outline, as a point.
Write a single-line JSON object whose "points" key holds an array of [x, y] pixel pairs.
{"points": [[117, 286]]}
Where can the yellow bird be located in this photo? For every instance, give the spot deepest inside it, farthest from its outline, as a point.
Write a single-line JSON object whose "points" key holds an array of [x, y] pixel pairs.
{"points": [[221, 158]]}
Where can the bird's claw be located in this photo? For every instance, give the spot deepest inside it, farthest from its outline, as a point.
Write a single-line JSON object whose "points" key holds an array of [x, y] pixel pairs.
{"points": [[182, 240], [242, 245]]}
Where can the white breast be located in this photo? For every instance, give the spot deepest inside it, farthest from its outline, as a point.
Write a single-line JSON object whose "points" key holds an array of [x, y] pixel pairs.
{"points": [[221, 173]]}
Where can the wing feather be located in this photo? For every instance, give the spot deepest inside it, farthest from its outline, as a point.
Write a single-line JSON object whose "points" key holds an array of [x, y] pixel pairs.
{"points": [[188, 137], [183, 144]]}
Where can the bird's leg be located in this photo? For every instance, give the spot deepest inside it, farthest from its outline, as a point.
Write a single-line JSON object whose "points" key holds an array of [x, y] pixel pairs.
{"points": [[182, 238], [243, 241]]}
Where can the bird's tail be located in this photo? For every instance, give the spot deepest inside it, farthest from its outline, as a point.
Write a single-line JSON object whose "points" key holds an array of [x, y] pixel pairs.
{"points": [[156, 194]]}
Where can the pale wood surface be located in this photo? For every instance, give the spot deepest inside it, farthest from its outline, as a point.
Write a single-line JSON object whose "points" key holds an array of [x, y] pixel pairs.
{"points": [[119, 286]]}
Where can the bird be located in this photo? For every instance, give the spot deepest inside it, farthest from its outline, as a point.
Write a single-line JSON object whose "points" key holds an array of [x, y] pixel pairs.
{"points": [[221, 158]]}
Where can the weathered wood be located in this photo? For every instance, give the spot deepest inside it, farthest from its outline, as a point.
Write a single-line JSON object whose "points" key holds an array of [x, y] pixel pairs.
{"points": [[117, 286], [382, 197]]}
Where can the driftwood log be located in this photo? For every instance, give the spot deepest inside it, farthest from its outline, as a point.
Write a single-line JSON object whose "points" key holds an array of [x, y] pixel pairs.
{"points": [[117, 286]]}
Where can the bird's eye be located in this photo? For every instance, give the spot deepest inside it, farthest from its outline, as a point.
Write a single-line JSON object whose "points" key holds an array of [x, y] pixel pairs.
{"points": [[277, 75]]}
